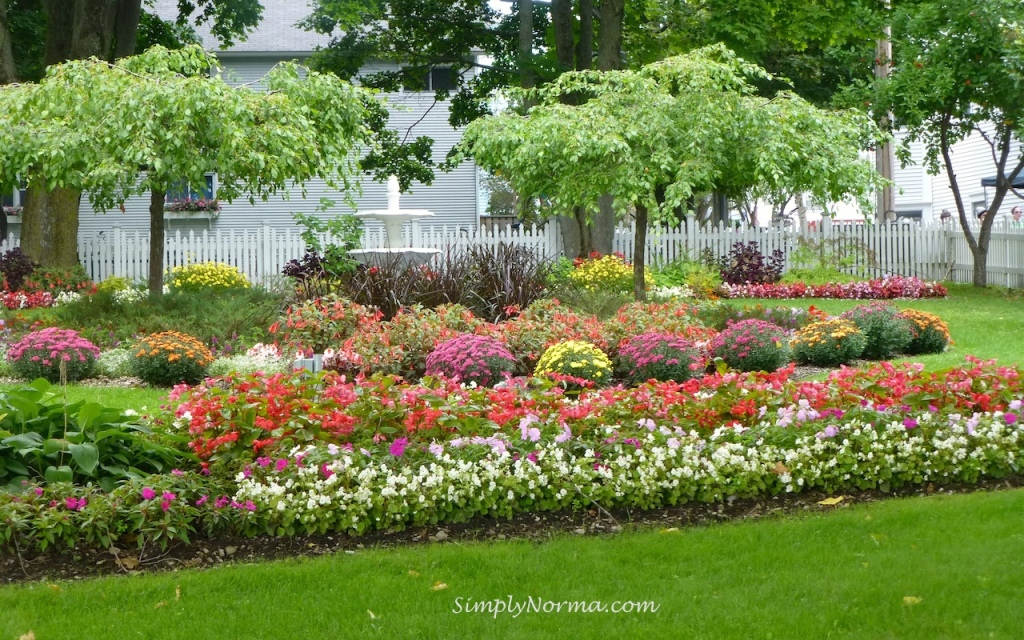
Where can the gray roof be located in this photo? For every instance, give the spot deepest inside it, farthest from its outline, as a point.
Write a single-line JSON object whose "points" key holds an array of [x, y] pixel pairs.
{"points": [[277, 33]]}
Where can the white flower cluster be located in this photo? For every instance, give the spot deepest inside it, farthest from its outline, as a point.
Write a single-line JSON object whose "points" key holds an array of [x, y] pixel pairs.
{"points": [[65, 297], [245, 365], [129, 296], [671, 293], [333, 489]]}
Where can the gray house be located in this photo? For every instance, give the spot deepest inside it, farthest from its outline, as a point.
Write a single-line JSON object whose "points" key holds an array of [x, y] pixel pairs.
{"points": [[452, 196]]}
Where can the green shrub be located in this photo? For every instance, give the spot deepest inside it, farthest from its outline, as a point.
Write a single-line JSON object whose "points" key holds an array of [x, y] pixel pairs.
{"points": [[828, 343], [57, 279], [170, 358], [322, 323], [577, 359], [637, 318], [42, 354], [721, 314], [661, 356], [42, 439], [751, 345], [886, 331], [700, 278], [112, 284]]}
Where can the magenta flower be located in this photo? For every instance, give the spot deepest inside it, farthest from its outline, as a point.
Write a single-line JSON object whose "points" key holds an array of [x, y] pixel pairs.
{"points": [[281, 465], [1010, 418], [39, 491], [264, 461], [398, 447], [148, 494], [201, 501], [910, 423], [168, 496], [165, 505], [221, 502], [177, 472]]}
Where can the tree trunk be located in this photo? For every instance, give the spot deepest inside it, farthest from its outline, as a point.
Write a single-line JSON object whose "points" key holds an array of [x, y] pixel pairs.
{"points": [[8, 70], [572, 243], [561, 20], [126, 27], [585, 45], [885, 199], [93, 30], [526, 43], [980, 275], [49, 230], [609, 35], [639, 254], [156, 243]]}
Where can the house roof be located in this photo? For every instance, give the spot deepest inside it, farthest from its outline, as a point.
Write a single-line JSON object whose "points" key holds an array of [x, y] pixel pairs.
{"points": [[276, 34]]}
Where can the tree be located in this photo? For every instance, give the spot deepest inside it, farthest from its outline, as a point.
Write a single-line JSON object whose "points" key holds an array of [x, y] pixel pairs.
{"points": [[80, 29], [959, 73], [148, 122], [654, 137]]}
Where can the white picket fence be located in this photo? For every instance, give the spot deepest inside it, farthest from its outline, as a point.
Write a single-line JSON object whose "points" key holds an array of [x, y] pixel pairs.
{"points": [[927, 251]]}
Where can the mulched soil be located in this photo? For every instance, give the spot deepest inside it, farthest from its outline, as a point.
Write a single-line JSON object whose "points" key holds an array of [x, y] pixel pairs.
{"points": [[205, 553]]}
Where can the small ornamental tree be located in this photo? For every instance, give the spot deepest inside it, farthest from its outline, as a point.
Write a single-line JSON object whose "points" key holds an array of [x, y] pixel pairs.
{"points": [[656, 137], [151, 121], [958, 70]]}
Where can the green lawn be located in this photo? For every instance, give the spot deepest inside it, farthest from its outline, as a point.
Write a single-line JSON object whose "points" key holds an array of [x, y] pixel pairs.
{"points": [[142, 400], [838, 575]]}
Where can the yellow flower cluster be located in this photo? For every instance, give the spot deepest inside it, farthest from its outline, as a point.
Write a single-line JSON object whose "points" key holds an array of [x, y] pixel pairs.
{"points": [[824, 332], [922, 320], [575, 358], [112, 284], [607, 273], [174, 346], [208, 275]]}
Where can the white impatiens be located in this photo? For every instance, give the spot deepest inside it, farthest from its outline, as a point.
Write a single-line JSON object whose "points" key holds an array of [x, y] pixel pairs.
{"points": [[350, 491]]}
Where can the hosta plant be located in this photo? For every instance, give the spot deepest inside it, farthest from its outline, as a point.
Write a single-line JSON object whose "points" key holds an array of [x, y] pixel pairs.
{"points": [[659, 356], [886, 331], [751, 345], [169, 358], [471, 358], [931, 334], [828, 343], [48, 352], [576, 359]]}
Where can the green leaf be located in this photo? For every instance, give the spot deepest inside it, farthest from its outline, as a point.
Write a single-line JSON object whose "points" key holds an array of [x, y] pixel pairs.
{"points": [[62, 473], [87, 456]]}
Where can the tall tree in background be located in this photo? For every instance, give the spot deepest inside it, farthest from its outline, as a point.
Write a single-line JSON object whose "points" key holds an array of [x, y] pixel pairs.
{"points": [[959, 73], [76, 30]]}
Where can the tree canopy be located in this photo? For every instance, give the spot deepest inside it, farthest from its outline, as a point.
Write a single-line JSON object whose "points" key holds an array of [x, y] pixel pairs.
{"points": [[654, 137], [146, 122]]}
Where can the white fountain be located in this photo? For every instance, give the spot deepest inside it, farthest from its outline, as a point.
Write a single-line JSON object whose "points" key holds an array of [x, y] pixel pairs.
{"points": [[393, 218]]}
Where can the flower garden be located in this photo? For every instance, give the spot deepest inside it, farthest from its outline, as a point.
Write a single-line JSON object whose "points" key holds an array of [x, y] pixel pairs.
{"points": [[432, 414], [436, 415]]}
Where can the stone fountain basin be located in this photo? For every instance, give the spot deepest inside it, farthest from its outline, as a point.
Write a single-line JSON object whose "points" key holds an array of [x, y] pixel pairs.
{"points": [[407, 256]]}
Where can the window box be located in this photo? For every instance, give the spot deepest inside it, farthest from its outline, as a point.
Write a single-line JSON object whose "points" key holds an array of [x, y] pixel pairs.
{"points": [[191, 215]]}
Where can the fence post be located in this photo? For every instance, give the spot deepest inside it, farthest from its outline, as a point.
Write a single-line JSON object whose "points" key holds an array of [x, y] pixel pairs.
{"points": [[264, 269], [118, 239]]}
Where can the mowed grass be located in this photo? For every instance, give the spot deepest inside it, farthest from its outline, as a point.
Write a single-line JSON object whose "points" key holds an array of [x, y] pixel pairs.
{"points": [[142, 400], [986, 323], [936, 567]]}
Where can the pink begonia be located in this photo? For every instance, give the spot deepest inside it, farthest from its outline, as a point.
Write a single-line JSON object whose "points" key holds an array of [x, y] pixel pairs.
{"points": [[398, 447]]}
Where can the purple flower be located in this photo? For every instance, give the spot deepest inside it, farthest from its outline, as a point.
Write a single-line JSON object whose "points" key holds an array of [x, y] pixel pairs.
{"points": [[281, 465], [910, 423], [168, 496], [148, 494], [398, 447], [1010, 418], [201, 501]]}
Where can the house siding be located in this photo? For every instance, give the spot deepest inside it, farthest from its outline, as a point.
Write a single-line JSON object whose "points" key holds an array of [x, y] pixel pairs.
{"points": [[972, 161], [452, 197]]}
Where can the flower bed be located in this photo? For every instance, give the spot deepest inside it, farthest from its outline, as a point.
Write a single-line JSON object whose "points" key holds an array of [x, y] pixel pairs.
{"points": [[880, 289], [22, 300], [907, 428]]}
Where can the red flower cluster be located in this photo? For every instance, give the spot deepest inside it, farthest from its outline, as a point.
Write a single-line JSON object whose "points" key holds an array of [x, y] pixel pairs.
{"points": [[236, 417]]}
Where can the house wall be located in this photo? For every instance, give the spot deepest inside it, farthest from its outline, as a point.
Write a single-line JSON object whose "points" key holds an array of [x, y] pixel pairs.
{"points": [[452, 196], [972, 161]]}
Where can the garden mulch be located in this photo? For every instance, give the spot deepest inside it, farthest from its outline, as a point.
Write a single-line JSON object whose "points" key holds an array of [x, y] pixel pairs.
{"points": [[206, 553]]}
